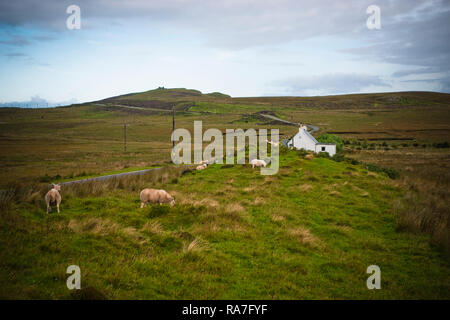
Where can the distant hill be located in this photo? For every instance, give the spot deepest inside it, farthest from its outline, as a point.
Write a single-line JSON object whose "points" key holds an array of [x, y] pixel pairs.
{"points": [[355, 101], [162, 98], [183, 99]]}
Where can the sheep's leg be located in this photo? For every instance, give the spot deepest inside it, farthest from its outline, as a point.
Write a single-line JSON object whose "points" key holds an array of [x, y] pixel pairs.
{"points": [[57, 207], [142, 204], [48, 207]]}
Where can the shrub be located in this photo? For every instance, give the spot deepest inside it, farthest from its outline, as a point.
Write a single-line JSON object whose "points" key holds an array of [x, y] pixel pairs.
{"points": [[332, 138], [339, 157], [391, 173], [441, 145], [323, 155], [48, 178]]}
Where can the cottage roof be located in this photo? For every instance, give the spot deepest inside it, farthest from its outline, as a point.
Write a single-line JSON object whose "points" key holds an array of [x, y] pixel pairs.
{"points": [[310, 136]]}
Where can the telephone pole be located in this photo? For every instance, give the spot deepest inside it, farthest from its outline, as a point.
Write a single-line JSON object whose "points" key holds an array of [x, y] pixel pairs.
{"points": [[125, 137], [173, 125]]}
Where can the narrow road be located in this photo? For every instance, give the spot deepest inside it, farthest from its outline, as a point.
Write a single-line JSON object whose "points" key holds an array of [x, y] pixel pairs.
{"points": [[313, 128], [131, 107], [110, 176]]}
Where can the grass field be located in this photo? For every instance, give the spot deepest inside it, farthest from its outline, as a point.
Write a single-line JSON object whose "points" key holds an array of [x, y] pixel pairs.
{"points": [[308, 232]]}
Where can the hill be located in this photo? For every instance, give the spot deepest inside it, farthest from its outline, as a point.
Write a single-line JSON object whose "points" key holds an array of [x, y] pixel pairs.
{"points": [[308, 232], [316, 225], [162, 98]]}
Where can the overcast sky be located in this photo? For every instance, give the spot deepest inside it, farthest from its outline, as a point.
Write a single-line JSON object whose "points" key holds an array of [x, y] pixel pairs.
{"points": [[239, 47]]}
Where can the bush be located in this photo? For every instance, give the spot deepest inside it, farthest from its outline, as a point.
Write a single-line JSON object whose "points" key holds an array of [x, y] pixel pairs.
{"points": [[48, 178], [391, 173], [441, 145], [323, 155], [332, 138]]}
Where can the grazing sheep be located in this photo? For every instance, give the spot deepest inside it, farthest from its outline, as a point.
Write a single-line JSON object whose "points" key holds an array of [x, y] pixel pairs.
{"points": [[201, 167], [53, 196], [275, 144], [258, 163], [309, 157], [156, 196]]}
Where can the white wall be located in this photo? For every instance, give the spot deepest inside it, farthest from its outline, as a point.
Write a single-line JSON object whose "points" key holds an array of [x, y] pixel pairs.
{"points": [[302, 141], [331, 149]]}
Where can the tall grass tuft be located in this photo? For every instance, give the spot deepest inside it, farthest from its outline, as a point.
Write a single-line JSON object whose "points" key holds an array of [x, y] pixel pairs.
{"points": [[425, 209]]}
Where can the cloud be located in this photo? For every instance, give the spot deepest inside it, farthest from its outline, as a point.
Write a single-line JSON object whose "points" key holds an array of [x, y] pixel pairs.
{"points": [[15, 40], [416, 40], [16, 55], [336, 83], [405, 73], [412, 42], [443, 84], [37, 102], [230, 23]]}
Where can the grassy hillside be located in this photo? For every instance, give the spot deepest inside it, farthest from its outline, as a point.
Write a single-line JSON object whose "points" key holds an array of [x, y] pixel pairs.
{"points": [[308, 232]]}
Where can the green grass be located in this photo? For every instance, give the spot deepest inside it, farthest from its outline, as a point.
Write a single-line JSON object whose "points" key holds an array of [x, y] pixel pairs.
{"points": [[308, 232], [93, 175]]}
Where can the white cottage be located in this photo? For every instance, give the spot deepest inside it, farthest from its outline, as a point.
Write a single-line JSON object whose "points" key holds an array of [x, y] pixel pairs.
{"points": [[304, 140]]}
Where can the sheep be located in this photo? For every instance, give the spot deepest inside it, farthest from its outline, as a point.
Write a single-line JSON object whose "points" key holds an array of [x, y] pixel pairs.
{"points": [[156, 196], [53, 196], [258, 163], [201, 167], [275, 144]]}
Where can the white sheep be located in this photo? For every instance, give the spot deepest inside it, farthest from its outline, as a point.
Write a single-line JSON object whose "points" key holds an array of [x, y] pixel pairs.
{"points": [[156, 196], [201, 167], [258, 163], [275, 144], [53, 196]]}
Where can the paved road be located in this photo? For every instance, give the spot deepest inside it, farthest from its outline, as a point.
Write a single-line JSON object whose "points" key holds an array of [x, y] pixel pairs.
{"points": [[131, 107], [313, 128], [110, 176]]}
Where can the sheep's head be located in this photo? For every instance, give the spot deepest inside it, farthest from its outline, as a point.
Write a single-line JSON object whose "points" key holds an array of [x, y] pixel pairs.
{"points": [[172, 202], [57, 187]]}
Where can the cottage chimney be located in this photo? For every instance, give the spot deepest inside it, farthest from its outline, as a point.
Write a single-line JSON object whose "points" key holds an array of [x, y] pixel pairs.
{"points": [[302, 127]]}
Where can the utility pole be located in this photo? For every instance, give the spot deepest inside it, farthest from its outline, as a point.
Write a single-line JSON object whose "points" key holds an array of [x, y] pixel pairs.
{"points": [[125, 137], [173, 125]]}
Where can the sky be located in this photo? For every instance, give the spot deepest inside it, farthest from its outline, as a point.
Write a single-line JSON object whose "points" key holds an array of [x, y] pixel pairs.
{"points": [[238, 47]]}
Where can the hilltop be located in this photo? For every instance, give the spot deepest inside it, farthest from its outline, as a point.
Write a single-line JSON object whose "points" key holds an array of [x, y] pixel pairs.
{"points": [[166, 98]]}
